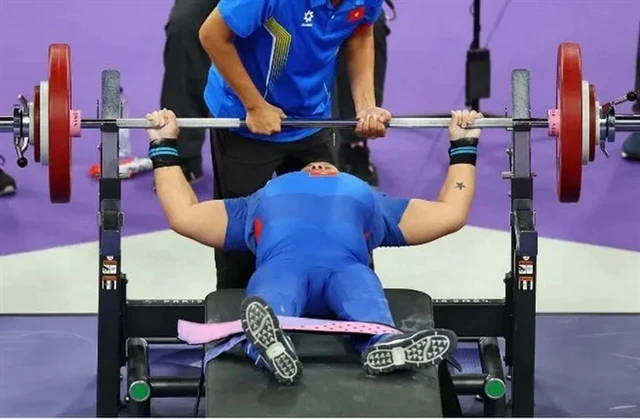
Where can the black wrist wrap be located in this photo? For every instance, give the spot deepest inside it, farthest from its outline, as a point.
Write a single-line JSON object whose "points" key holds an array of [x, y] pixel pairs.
{"points": [[463, 151], [164, 153]]}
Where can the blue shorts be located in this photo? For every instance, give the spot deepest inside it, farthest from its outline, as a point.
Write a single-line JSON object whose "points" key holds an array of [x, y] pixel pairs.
{"points": [[351, 292]]}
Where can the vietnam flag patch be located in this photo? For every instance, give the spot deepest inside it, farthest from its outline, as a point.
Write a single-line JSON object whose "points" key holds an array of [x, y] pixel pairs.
{"points": [[356, 14]]}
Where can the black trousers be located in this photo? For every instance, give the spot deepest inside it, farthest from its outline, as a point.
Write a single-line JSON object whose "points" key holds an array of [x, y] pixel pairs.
{"points": [[343, 107], [186, 66], [241, 167]]}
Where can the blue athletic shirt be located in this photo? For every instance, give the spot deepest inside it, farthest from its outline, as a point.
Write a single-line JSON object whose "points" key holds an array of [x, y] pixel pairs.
{"points": [[289, 49], [301, 213]]}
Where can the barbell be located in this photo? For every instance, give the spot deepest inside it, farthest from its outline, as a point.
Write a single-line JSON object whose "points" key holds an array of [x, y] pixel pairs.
{"points": [[578, 123]]}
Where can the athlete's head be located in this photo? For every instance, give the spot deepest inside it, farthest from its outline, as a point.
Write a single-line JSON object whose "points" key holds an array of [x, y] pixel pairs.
{"points": [[321, 168]]}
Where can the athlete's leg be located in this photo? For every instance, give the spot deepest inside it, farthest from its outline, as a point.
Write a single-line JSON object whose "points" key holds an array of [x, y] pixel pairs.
{"points": [[274, 289], [355, 293]]}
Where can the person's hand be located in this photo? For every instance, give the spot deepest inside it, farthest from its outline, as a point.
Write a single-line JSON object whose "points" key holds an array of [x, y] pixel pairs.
{"points": [[371, 122], [459, 121], [265, 119], [165, 125]]}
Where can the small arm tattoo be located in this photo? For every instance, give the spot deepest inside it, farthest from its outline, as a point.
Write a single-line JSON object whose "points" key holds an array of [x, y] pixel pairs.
{"points": [[460, 185]]}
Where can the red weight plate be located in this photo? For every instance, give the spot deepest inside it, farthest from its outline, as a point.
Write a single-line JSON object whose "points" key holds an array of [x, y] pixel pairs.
{"points": [[59, 129], [569, 142], [35, 120], [592, 122]]}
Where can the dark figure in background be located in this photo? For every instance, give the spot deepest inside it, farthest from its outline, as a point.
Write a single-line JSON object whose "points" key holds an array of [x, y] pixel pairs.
{"points": [[7, 182], [631, 147], [186, 66], [353, 150]]}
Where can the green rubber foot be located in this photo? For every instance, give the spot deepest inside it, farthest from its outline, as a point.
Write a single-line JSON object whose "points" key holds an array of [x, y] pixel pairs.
{"points": [[494, 388], [139, 391]]}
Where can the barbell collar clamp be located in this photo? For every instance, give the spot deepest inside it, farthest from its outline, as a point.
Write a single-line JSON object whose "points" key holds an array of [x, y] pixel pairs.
{"points": [[20, 124]]}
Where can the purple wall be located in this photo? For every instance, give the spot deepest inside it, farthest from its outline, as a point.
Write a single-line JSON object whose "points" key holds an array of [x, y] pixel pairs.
{"points": [[427, 49], [426, 74]]}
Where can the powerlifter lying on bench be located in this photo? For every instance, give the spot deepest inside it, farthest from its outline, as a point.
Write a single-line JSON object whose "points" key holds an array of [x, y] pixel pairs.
{"points": [[312, 232]]}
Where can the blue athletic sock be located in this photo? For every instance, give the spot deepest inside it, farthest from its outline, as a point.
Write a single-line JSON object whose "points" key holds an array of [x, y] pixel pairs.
{"points": [[251, 351], [363, 343], [378, 338]]}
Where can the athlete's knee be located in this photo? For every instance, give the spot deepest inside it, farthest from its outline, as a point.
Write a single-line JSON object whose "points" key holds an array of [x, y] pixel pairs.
{"points": [[367, 308], [280, 290], [283, 302], [358, 295]]}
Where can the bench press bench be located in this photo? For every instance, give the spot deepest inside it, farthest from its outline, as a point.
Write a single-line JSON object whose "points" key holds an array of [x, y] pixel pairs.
{"points": [[333, 382]]}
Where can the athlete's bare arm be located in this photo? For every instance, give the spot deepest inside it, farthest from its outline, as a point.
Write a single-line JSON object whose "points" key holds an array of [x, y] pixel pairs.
{"points": [[424, 221], [205, 222]]}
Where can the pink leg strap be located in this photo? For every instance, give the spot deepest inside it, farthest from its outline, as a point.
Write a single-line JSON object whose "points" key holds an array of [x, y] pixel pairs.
{"points": [[199, 333]]}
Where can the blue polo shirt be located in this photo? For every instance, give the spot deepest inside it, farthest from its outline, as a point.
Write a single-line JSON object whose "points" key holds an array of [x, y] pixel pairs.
{"points": [[289, 49]]}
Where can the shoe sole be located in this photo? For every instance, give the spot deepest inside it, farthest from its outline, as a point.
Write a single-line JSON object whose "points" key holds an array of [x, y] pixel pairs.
{"points": [[423, 349], [262, 329], [9, 190], [626, 156]]}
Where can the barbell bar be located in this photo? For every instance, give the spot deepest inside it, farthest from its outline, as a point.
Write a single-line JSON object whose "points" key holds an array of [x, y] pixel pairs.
{"points": [[578, 123], [624, 123], [627, 123], [7, 125]]}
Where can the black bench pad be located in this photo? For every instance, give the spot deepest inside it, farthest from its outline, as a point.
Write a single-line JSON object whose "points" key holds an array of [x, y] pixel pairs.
{"points": [[333, 382]]}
